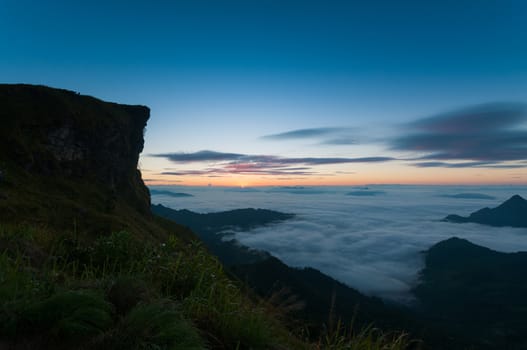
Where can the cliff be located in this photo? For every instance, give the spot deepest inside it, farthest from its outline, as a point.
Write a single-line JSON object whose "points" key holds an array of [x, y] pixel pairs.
{"points": [[62, 152]]}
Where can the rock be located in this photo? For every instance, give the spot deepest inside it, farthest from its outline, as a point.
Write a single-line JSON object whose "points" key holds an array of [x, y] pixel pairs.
{"points": [[60, 134]]}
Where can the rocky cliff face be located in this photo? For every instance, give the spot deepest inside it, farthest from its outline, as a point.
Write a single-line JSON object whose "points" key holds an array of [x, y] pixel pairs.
{"points": [[50, 133]]}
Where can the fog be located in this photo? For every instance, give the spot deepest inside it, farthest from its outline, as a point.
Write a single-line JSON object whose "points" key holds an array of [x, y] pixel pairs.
{"points": [[373, 243]]}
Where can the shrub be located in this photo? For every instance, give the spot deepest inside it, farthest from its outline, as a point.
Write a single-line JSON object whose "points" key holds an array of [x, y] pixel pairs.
{"points": [[68, 315], [158, 325]]}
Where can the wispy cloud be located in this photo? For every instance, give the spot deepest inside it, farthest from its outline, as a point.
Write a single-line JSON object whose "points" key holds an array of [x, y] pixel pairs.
{"points": [[201, 156], [339, 140], [482, 136], [303, 133], [235, 163], [326, 136], [494, 165]]}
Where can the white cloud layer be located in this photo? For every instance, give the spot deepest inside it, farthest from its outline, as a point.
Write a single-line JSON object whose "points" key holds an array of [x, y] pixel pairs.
{"points": [[371, 243]]}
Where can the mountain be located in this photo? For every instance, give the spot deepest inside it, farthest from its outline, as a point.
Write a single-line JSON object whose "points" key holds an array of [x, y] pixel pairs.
{"points": [[512, 212], [317, 298], [240, 219], [84, 263], [476, 293], [213, 229], [68, 159], [170, 193]]}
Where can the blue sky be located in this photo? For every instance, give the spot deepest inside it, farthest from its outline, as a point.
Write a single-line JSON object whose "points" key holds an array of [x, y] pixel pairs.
{"points": [[222, 75]]}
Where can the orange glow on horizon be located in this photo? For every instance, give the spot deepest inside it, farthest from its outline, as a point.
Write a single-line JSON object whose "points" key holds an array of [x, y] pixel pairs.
{"points": [[359, 175], [338, 181]]}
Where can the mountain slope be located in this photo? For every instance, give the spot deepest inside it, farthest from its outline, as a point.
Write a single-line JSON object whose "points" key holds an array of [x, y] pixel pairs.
{"points": [[512, 212], [476, 293], [212, 227]]}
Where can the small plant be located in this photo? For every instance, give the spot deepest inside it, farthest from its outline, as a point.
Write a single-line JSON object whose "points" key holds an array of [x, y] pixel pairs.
{"points": [[368, 338]]}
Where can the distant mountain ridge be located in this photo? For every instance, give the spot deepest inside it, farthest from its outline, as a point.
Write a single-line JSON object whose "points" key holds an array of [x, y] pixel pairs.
{"points": [[512, 212], [241, 218], [169, 193], [211, 227]]}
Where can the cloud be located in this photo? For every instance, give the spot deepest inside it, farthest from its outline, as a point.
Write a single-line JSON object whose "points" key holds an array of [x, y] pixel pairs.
{"points": [[495, 165], [303, 134], [188, 172], [371, 243], [337, 141], [325, 161], [326, 136], [365, 193], [487, 135], [201, 156], [468, 196], [235, 163]]}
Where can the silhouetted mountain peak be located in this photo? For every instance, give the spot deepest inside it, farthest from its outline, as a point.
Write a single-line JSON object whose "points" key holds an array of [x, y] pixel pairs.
{"points": [[453, 242], [512, 212], [514, 202]]}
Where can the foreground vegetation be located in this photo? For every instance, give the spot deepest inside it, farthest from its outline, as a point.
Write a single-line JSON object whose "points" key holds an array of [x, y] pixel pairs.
{"points": [[118, 292]]}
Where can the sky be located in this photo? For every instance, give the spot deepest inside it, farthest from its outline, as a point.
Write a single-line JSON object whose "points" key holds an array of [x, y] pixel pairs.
{"points": [[282, 92]]}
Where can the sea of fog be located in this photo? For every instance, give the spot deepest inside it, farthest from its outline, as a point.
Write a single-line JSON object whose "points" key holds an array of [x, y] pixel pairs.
{"points": [[370, 238]]}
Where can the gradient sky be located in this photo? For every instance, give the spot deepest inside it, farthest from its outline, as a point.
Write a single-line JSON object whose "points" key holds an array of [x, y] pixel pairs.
{"points": [[277, 92]]}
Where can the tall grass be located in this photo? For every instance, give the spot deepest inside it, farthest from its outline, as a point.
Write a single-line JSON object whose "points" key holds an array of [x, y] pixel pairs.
{"points": [[61, 291], [115, 281], [368, 338]]}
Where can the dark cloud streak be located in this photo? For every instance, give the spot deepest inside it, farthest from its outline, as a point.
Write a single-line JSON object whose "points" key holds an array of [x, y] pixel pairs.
{"points": [[482, 136], [201, 156], [326, 136], [303, 134], [235, 163], [488, 165]]}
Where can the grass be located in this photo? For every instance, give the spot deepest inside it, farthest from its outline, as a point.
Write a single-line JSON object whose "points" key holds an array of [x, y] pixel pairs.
{"points": [[370, 338], [120, 292]]}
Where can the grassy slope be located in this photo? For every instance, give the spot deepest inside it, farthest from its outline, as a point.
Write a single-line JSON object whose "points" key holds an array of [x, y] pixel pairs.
{"points": [[147, 262], [54, 240]]}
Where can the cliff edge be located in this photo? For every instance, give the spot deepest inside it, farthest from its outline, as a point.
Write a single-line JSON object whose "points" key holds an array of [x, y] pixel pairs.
{"points": [[64, 154]]}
